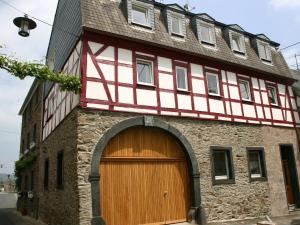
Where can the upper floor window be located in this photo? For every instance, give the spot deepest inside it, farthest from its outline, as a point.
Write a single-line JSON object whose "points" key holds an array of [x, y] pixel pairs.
{"points": [[181, 77], [238, 43], [245, 90], [264, 51], [272, 93], [140, 15], [213, 84], [207, 33], [145, 72], [176, 27]]}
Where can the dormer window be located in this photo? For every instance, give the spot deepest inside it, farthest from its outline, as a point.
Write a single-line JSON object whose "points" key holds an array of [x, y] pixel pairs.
{"points": [[264, 51], [234, 36], [176, 25], [140, 15], [175, 20], [207, 33], [237, 43]]}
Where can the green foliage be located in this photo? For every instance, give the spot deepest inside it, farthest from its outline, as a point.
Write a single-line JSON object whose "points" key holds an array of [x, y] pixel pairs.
{"points": [[43, 73], [21, 165]]}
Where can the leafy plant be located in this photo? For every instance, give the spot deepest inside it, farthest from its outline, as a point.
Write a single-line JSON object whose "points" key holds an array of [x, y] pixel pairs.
{"points": [[21, 70], [20, 166]]}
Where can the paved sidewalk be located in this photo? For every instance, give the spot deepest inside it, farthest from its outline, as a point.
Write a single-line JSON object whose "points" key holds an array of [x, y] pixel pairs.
{"points": [[292, 219]]}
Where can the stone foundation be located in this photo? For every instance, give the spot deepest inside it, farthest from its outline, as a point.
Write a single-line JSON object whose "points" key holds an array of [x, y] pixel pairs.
{"points": [[241, 200]]}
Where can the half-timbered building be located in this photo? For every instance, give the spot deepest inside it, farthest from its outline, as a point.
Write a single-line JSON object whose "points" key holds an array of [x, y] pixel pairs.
{"points": [[180, 118]]}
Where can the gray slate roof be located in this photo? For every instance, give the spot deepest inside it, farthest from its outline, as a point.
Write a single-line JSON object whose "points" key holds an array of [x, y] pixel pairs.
{"points": [[107, 16]]}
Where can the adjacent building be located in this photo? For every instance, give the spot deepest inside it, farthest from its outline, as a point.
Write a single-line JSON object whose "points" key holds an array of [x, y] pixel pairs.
{"points": [[180, 118]]}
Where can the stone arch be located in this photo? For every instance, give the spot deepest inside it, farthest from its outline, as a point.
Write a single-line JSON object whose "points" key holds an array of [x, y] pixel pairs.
{"points": [[195, 213]]}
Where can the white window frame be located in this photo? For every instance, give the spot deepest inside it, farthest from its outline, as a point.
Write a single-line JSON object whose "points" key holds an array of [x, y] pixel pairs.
{"points": [[276, 95], [180, 20], [186, 78], [248, 88], [224, 177], [218, 84], [211, 33], [266, 46], [135, 6], [151, 72], [255, 175], [240, 39]]}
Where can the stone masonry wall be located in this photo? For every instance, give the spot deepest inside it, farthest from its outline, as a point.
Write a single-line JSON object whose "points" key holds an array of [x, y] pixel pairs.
{"points": [[56, 206], [241, 200]]}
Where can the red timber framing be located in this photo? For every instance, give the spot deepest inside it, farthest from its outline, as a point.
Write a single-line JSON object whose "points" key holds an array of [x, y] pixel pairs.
{"points": [[109, 82]]}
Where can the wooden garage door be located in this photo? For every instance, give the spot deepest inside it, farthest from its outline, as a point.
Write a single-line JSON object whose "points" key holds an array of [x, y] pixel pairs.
{"points": [[144, 179]]}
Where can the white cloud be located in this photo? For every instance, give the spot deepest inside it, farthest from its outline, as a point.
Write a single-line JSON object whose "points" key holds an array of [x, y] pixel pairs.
{"points": [[12, 90], [285, 3]]}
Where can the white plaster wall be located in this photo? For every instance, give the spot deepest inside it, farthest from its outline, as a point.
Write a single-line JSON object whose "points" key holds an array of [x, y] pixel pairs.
{"points": [[108, 71], [167, 100], [146, 97], [95, 90], [125, 95], [164, 64], [200, 104], [108, 54], [196, 70], [249, 110], [125, 75], [125, 56], [216, 106], [198, 86], [184, 102], [166, 81], [236, 109]]}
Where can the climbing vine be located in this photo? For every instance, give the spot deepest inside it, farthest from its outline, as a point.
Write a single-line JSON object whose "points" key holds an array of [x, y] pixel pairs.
{"points": [[21, 70], [21, 165]]}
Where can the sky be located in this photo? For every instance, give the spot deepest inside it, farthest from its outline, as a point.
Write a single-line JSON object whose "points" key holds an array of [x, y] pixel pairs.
{"points": [[278, 19]]}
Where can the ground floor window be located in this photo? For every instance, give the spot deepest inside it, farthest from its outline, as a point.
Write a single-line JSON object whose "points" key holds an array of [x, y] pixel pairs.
{"points": [[256, 163], [46, 174], [222, 165]]}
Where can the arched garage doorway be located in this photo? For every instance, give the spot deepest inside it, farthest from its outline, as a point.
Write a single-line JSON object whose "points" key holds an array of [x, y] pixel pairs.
{"points": [[138, 154], [144, 179]]}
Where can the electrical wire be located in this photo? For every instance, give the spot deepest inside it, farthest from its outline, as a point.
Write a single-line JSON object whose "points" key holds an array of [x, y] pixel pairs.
{"points": [[35, 18], [292, 45]]}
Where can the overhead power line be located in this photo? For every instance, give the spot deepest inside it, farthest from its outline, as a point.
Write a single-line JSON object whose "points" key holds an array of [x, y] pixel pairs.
{"points": [[42, 21], [292, 45]]}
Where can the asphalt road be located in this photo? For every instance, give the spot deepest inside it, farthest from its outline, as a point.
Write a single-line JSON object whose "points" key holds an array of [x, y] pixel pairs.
{"points": [[8, 200]]}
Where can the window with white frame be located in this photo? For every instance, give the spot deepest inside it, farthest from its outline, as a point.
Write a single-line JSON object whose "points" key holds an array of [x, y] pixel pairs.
{"points": [[140, 15], [207, 33], [176, 25], [145, 72], [237, 43], [272, 93], [213, 84], [181, 78], [256, 163], [245, 90], [222, 165], [264, 51]]}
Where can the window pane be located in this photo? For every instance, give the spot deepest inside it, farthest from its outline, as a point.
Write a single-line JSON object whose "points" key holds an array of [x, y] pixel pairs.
{"points": [[236, 44], [272, 95], [255, 164], [206, 34], [244, 88], [181, 78], [263, 51], [221, 165], [144, 70], [139, 15], [213, 87], [176, 25]]}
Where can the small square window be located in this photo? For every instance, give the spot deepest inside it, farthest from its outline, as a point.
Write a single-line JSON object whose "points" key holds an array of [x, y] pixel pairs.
{"points": [[222, 168], [145, 72], [206, 33], [245, 90], [213, 84], [181, 77], [272, 93], [256, 165], [140, 15], [176, 23]]}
